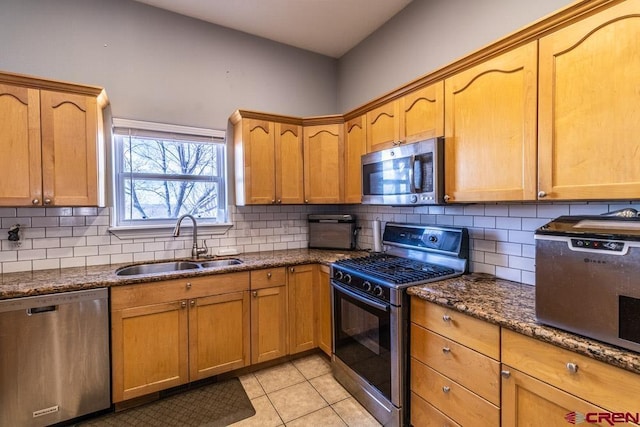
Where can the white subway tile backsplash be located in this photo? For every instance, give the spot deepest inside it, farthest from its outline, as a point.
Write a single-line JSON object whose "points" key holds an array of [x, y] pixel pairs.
{"points": [[31, 212], [484, 221], [509, 248], [60, 253], [31, 254], [525, 237], [552, 210], [85, 251], [509, 223], [46, 264], [496, 259], [523, 210], [72, 262], [508, 273]]}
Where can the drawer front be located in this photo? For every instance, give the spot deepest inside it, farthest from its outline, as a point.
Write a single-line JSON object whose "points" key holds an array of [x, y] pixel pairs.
{"points": [[473, 370], [425, 415], [452, 399], [474, 333], [268, 278], [177, 289], [597, 382]]}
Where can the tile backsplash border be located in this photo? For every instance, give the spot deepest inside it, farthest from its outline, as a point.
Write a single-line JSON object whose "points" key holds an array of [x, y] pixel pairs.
{"points": [[501, 234]]}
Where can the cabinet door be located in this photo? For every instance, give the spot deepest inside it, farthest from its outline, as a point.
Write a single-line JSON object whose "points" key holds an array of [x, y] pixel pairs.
{"points": [[324, 163], [490, 129], [527, 401], [383, 126], [325, 321], [422, 113], [254, 144], [149, 349], [302, 308], [355, 146], [20, 156], [589, 112], [69, 149], [268, 324], [289, 169], [219, 338]]}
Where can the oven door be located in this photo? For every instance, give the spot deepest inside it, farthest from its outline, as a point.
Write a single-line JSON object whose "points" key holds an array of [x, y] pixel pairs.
{"points": [[367, 340]]}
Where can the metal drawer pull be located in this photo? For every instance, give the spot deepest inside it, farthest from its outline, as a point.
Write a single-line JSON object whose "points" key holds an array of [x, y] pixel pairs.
{"points": [[446, 317], [268, 275], [446, 389], [505, 374], [572, 367], [446, 350], [255, 293], [183, 304], [188, 285]]}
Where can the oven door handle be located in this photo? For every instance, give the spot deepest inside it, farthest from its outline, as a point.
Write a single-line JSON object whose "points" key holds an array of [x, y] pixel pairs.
{"points": [[367, 301]]}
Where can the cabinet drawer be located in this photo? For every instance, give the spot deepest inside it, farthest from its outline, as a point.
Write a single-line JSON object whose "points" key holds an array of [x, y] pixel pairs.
{"points": [[473, 370], [455, 401], [176, 289], [604, 385], [268, 278], [425, 415], [474, 333]]}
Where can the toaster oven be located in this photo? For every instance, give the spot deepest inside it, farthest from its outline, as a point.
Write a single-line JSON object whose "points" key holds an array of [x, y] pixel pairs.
{"points": [[332, 231], [588, 277]]}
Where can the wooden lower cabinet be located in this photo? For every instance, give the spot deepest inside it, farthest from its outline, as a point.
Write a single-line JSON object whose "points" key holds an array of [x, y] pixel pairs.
{"points": [[302, 308], [269, 334], [425, 415], [167, 333], [527, 401], [325, 316]]}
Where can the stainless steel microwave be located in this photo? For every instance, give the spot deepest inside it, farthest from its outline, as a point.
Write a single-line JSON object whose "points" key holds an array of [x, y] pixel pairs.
{"points": [[410, 174]]}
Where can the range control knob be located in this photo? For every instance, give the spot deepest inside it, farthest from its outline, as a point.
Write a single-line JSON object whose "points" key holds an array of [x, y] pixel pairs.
{"points": [[347, 278], [339, 275], [377, 291], [413, 198], [366, 286]]}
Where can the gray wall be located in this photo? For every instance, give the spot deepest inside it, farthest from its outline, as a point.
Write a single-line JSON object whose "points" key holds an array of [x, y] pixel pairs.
{"points": [[425, 36], [160, 66]]}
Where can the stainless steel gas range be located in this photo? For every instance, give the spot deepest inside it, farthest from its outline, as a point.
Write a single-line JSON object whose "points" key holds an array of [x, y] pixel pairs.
{"points": [[371, 312]]}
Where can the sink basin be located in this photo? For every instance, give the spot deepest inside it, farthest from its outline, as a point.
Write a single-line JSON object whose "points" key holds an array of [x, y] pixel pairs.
{"points": [[161, 267], [220, 263]]}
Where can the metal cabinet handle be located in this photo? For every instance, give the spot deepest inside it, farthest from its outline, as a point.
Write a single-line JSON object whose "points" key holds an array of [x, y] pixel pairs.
{"points": [[306, 200], [183, 304], [446, 350], [292, 270], [279, 201], [542, 194], [572, 368], [35, 202], [193, 303], [447, 197], [505, 374], [188, 285], [446, 318], [446, 389], [254, 293], [273, 201], [47, 201], [269, 275]]}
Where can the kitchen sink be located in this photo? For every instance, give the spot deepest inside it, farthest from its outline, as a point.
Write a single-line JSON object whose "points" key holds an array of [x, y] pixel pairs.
{"points": [[167, 267], [220, 263], [161, 267]]}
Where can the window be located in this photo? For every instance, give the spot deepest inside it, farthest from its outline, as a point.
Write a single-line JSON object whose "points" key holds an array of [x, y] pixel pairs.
{"points": [[163, 171]]}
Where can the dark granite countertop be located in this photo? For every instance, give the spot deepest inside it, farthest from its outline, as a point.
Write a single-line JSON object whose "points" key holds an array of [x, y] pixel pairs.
{"points": [[512, 305], [30, 283]]}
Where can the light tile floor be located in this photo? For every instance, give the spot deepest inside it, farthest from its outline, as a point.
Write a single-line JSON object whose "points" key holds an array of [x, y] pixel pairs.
{"points": [[301, 393]]}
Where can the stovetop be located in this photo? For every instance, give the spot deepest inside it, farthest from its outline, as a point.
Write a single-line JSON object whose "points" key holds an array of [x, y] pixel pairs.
{"points": [[394, 269], [415, 255]]}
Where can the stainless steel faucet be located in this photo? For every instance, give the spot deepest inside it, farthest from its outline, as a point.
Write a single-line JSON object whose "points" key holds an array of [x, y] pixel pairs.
{"points": [[195, 250]]}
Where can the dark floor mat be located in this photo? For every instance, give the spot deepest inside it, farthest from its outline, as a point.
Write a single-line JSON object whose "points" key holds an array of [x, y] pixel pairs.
{"points": [[218, 404]]}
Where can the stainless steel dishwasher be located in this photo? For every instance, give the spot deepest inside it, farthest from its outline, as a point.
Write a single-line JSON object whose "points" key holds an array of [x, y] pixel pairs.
{"points": [[54, 357]]}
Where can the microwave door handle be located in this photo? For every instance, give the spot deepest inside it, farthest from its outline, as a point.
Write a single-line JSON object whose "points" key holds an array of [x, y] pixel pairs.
{"points": [[412, 175]]}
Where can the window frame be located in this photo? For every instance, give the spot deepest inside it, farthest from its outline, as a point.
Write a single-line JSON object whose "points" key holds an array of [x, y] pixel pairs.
{"points": [[151, 227]]}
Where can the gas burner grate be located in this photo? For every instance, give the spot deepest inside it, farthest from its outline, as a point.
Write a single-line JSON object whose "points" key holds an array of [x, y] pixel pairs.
{"points": [[396, 269]]}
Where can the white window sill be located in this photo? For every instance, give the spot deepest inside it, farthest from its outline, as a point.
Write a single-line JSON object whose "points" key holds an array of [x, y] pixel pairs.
{"points": [[136, 232]]}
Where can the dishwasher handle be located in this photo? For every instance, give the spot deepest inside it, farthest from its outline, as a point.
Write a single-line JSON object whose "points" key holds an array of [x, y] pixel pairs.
{"points": [[38, 310]]}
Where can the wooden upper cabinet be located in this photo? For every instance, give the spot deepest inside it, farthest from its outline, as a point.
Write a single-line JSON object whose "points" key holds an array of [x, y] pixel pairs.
{"points": [[354, 147], [383, 126], [422, 113], [268, 161], [490, 129], [589, 107], [254, 144], [289, 164], [69, 149], [20, 148], [51, 145], [324, 163]]}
